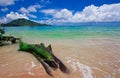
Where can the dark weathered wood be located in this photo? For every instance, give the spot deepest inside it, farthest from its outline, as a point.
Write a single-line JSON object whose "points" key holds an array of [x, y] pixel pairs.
{"points": [[47, 69], [7, 38], [62, 67], [54, 63]]}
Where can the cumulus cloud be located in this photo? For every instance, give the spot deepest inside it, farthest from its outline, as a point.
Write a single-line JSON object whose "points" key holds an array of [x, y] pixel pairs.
{"points": [[4, 9], [49, 11], [12, 16], [15, 15], [92, 13], [7, 2], [31, 15], [32, 8], [64, 13], [23, 10]]}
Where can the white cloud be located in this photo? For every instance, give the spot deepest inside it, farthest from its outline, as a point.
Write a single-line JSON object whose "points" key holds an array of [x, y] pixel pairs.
{"points": [[92, 13], [49, 11], [15, 15], [7, 2], [23, 10], [31, 15], [12, 16], [3, 20], [4, 9], [32, 8], [63, 14]]}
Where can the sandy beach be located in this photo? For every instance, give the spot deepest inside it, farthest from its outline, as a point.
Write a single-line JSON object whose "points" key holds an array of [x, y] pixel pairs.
{"points": [[62, 38], [88, 58]]}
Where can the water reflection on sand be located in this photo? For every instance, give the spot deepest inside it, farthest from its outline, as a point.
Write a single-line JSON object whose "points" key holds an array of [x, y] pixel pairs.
{"points": [[89, 58]]}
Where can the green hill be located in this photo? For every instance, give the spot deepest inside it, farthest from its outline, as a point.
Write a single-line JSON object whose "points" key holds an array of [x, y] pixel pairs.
{"points": [[23, 22]]}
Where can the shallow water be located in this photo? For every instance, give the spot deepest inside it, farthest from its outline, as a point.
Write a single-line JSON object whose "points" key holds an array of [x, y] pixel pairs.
{"points": [[66, 32], [93, 58], [88, 52]]}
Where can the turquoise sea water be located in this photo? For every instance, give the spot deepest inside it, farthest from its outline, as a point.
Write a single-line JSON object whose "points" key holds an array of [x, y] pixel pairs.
{"points": [[94, 30]]}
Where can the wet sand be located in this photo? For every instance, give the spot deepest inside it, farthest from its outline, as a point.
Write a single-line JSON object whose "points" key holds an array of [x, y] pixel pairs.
{"points": [[88, 58]]}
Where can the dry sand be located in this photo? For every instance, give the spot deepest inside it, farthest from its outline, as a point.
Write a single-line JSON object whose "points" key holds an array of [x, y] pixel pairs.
{"points": [[91, 58]]}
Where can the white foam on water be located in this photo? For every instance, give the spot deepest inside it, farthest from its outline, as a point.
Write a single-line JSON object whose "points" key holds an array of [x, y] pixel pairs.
{"points": [[33, 64], [30, 73], [77, 66], [72, 65], [86, 70], [29, 68]]}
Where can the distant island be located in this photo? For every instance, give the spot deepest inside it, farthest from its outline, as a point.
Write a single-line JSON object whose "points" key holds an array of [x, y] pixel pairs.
{"points": [[23, 22]]}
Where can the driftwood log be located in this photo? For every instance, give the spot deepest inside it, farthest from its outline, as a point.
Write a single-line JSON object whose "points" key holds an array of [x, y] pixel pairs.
{"points": [[7, 38], [45, 56]]}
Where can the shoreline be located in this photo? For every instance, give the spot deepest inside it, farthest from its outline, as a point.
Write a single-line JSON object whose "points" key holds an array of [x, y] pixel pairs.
{"points": [[93, 58]]}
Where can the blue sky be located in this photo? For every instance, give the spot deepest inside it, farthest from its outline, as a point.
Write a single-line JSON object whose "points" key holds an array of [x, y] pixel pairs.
{"points": [[61, 11]]}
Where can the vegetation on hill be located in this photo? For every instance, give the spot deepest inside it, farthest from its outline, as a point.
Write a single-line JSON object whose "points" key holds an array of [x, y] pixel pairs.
{"points": [[23, 22]]}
